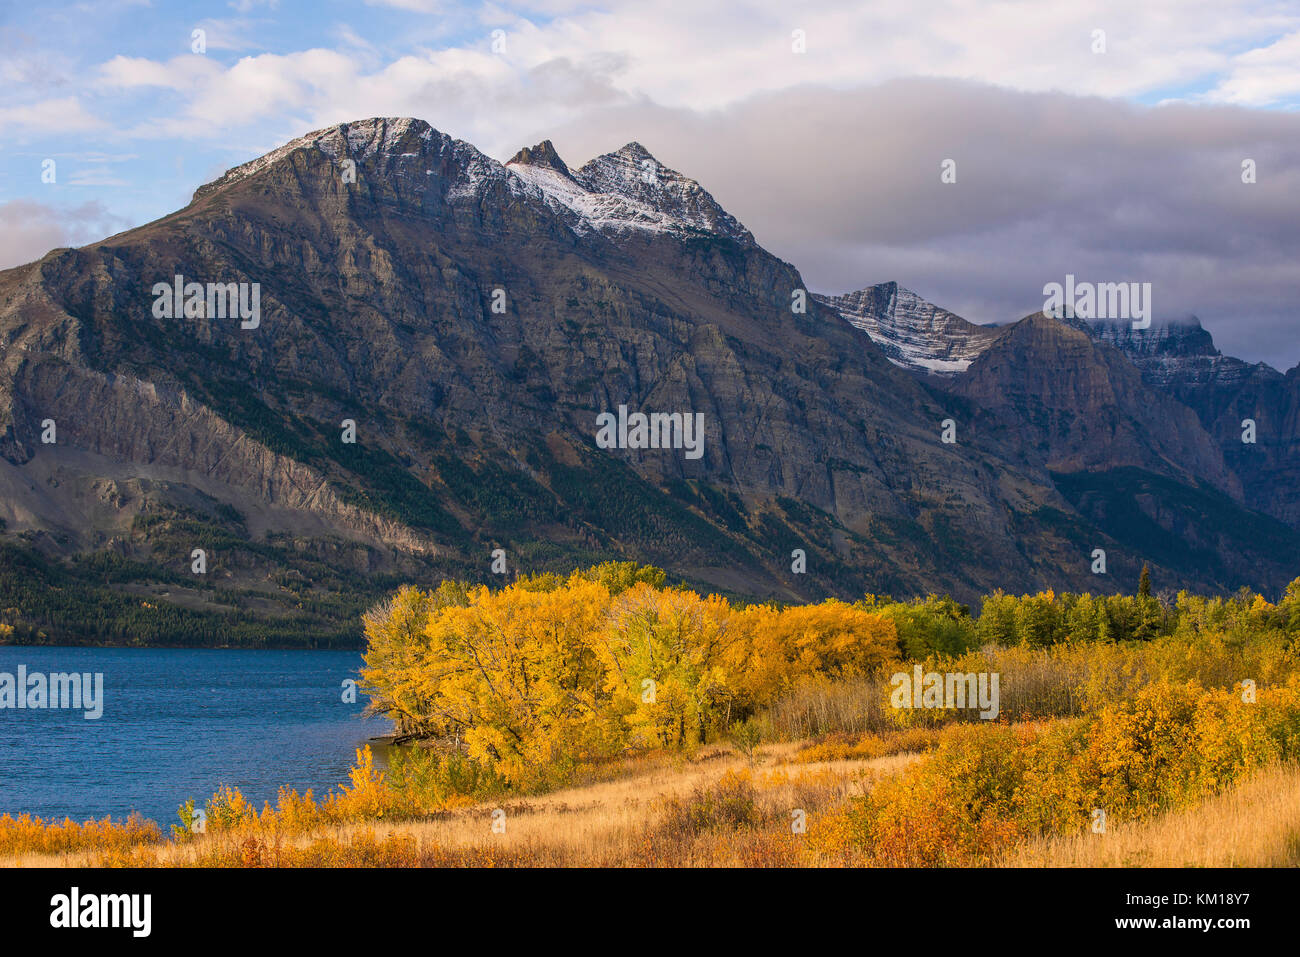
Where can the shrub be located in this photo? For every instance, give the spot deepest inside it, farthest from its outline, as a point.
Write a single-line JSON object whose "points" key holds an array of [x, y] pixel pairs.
{"points": [[32, 835], [987, 786], [729, 804]]}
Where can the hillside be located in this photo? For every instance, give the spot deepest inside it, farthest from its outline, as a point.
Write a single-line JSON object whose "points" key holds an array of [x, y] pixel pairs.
{"points": [[472, 320]]}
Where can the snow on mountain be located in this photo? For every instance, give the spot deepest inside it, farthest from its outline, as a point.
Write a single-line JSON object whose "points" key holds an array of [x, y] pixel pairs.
{"points": [[620, 193], [1176, 352], [912, 332], [1172, 354], [394, 147], [625, 191]]}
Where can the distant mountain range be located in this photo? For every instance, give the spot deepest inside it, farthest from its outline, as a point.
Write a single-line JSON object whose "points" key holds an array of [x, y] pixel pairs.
{"points": [[472, 319], [1175, 358]]}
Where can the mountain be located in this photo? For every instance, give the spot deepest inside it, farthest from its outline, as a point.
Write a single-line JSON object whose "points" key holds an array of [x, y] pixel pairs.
{"points": [[1178, 357], [912, 333], [1086, 406], [469, 324], [1175, 358], [1124, 453], [1172, 353]]}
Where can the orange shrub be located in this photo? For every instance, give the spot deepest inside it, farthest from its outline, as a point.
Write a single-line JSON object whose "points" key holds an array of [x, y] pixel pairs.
{"points": [[32, 835]]}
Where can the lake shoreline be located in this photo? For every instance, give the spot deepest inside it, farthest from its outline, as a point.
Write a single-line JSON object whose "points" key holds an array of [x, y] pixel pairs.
{"points": [[178, 724], [128, 645]]}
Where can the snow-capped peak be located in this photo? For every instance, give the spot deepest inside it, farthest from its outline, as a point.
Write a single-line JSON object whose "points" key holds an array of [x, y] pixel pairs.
{"points": [[625, 191], [912, 332], [363, 141], [1174, 350], [541, 155], [620, 193]]}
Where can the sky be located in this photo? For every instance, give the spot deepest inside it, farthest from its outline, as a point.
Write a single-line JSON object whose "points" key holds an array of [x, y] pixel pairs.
{"points": [[1100, 139]]}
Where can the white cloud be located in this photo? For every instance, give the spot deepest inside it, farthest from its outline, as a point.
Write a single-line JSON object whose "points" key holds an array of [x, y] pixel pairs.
{"points": [[681, 53], [61, 115], [233, 34], [186, 72], [1263, 77]]}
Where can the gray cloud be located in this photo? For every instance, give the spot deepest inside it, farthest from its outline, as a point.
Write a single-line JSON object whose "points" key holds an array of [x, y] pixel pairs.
{"points": [[26, 225], [845, 184]]}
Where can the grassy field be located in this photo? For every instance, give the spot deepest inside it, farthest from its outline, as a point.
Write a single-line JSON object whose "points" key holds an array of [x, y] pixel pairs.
{"points": [[1256, 823], [641, 813], [719, 809]]}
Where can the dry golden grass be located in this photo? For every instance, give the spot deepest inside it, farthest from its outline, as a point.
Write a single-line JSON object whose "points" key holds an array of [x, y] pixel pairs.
{"points": [[607, 823], [603, 823], [66, 859], [1254, 824], [643, 817]]}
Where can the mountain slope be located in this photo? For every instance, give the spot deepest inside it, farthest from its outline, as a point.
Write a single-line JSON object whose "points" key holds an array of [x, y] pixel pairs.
{"points": [[1176, 358], [624, 192], [1179, 358], [1130, 459], [1087, 406], [471, 320]]}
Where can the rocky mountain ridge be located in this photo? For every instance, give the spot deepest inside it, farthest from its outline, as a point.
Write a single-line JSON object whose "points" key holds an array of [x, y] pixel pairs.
{"points": [[1175, 358], [914, 334], [466, 322]]}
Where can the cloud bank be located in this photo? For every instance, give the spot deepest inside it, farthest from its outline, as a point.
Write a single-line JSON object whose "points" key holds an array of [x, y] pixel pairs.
{"points": [[1100, 138]]}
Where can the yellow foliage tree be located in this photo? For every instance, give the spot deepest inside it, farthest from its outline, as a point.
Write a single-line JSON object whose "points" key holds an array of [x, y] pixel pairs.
{"points": [[548, 671], [832, 639]]}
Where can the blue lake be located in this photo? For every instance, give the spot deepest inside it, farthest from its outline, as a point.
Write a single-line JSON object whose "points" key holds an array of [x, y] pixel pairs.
{"points": [[177, 724]]}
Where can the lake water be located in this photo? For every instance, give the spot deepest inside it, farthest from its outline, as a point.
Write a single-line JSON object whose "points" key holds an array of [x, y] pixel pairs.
{"points": [[177, 724]]}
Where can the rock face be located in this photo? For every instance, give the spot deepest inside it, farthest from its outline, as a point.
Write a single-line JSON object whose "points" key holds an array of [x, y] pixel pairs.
{"points": [[1175, 359], [1169, 351], [1086, 406], [467, 322], [913, 333], [1179, 359]]}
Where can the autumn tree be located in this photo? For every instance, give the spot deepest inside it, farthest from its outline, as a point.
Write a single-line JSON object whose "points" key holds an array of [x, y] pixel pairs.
{"points": [[665, 656], [551, 670], [831, 639]]}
